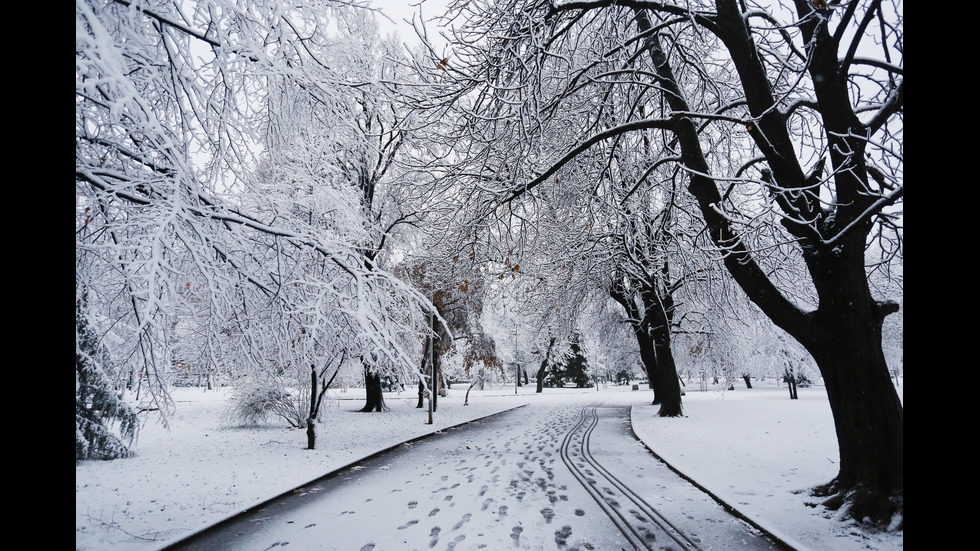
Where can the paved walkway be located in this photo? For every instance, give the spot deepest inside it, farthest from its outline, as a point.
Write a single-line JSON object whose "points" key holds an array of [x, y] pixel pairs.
{"points": [[569, 477]]}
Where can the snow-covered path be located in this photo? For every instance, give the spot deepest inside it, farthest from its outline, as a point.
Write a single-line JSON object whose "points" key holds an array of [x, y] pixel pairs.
{"points": [[548, 477]]}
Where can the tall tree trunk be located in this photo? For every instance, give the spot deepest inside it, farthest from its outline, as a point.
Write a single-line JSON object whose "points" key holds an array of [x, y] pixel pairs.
{"points": [[868, 416], [477, 381], [435, 373], [544, 366], [845, 340], [375, 393], [432, 352], [670, 386], [648, 357], [422, 370], [434, 387], [311, 419], [790, 378], [659, 314], [316, 399]]}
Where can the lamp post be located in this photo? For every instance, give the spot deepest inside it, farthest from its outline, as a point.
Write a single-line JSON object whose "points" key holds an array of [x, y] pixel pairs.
{"points": [[432, 363], [517, 364]]}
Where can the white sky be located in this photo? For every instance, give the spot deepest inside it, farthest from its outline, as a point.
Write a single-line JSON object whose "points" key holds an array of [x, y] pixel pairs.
{"points": [[400, 10]]}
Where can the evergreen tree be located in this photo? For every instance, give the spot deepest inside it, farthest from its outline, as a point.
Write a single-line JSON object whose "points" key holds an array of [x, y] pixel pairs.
{"points": [[556, 375], [97, 407], [577, 366], [574, 368]]}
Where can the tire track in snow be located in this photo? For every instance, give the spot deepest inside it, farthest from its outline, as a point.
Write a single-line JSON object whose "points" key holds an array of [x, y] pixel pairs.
{"points": [[640, 523]]}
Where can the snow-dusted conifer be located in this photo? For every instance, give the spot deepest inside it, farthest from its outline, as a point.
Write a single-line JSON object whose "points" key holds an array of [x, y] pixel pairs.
{"points": [[105, 426]]}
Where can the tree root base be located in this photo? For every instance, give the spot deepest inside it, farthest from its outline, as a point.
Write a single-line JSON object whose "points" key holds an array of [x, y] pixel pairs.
{"points": [[872, 510]]}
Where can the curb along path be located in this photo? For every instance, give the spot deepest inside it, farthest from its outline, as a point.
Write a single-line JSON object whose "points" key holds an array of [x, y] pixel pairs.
{"points": [[497, 483]]}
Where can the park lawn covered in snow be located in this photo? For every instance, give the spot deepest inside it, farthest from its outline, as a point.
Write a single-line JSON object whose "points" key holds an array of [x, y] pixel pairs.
{"points": [[755, 449]]}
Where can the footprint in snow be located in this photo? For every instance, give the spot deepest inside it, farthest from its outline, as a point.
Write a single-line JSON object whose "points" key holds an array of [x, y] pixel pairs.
{"points": [[561, 536], [462, 521], [548, 513], [407, 524], [434, 534]]}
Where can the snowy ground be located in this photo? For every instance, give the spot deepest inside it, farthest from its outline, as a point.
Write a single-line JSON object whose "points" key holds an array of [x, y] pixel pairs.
{"points": [[756, 449]]}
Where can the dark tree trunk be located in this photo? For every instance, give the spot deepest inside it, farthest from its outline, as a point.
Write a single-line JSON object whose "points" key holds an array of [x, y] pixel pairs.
{"points": [[432, 352], [310, 434], [648, 357], [748, 383], [845, 341], [375, 393], [790, 379], [669, 384], [544, 366], [435, 377], [425, 374], [869, 419], [658, 316], [670, 388], [476, 381], [434, 390], [311, 419], [316, 398]]}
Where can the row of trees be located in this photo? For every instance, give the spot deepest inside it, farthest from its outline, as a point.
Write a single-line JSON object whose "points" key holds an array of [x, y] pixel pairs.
{"points": [[229, 201], [278, 189], [656, 134]]}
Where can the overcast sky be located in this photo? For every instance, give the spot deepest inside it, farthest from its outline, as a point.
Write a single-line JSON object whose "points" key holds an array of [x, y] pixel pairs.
{"points": [[400, 10]]}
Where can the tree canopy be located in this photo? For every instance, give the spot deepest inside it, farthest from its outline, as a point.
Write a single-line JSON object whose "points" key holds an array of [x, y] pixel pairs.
{"points": [[215, 203], [275, 187]]}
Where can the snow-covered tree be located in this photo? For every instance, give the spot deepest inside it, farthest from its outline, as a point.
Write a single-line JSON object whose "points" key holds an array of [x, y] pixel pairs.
{"points": [[784, 124], [182, 208], [105, 425]]}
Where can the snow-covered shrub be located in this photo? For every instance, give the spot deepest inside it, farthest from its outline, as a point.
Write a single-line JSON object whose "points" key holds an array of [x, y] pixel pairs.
{"points": [[255, 401]]}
